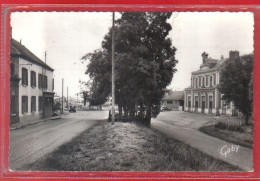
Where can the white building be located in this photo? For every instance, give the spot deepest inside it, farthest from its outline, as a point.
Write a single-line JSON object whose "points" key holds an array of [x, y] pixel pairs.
{"points": [[204, 96], [32, 84]]}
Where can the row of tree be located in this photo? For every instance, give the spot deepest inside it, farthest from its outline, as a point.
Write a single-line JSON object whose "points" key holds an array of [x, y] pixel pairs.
{"points": [[144, 65]]}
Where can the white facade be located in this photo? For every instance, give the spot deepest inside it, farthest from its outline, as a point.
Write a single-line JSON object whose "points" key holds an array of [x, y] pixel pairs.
{"points": [[28, 90], [204, 96]]}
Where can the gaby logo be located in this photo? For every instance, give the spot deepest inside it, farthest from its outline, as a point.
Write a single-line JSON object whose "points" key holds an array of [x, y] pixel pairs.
{"points": [[226, 150]]}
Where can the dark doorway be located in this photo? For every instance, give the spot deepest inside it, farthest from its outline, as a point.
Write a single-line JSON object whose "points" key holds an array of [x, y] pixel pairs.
{"points": [[203, 104], [196, 103], [210, 104], [48, 104]]}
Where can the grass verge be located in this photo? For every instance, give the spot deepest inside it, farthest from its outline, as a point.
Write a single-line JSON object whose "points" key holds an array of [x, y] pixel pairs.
{"points": [[128, 147], [241, 135]]}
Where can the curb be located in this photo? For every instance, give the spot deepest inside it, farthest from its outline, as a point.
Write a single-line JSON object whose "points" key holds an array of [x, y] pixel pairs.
{"points": [[36, 122]]}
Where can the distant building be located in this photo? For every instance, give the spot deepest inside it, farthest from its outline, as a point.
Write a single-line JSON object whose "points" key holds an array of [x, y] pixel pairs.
{"points": [[173, 100], [31, 85], [203, 96], [58, 99]]}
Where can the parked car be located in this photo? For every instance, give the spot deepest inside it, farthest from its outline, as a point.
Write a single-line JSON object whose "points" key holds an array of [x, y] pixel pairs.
{"points": [[72, 109], [165, 108]]}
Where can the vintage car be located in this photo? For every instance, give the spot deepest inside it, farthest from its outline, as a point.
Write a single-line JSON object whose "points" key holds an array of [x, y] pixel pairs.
{"points": [[72, 109]]}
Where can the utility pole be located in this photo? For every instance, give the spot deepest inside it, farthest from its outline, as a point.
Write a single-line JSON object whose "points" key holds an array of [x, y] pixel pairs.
{"points": [[42, 86], [45, 55], [67, 97], [113, 69], [62, 98]]}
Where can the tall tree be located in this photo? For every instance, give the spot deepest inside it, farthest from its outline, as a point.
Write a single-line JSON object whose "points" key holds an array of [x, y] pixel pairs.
{"points": [[144, 63], [235, 83]]}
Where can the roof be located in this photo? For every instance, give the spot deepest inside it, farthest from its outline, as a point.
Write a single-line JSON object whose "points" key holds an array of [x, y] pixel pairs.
{"points": [[20, 50], [175, 95], [213, 66]]}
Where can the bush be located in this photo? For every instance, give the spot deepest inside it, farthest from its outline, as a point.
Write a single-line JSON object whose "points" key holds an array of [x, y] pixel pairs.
{"points": [[237, 128]]}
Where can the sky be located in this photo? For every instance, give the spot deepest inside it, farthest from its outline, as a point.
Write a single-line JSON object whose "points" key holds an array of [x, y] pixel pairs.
{"points": [[67, 36]]}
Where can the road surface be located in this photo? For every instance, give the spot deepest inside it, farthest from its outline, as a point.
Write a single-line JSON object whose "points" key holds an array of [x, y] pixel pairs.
{"points": [[184, 127], [30, 143]]}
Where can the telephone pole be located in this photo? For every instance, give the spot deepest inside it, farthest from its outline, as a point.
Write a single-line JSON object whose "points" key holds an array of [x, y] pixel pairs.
{"points": [[42, 86], [113, 70], [67, 97], [62, 98], [45, 55]]}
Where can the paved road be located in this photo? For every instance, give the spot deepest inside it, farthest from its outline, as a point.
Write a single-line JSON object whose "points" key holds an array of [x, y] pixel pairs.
{"points": [[184, 127], [30, 143]]}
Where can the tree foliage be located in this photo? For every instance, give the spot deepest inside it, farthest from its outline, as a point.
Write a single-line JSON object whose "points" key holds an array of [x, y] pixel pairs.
{"points": [[144, 64], [235, 83]]}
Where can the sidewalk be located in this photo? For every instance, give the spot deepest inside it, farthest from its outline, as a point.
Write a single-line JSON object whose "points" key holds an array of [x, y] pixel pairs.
{"points": [[215, 147], [24, 124]]}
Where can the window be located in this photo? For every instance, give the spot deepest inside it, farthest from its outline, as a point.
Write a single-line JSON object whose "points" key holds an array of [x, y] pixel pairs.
{"points": [[228, 105], [199, 81], [12, 70], [33, 79], [40, 106], [189, 101], [191, 82], [24, 76], [24, 104], [211, 81], [45, 82], [169, 102], [33, 104], [207, 81], [40, 81]]}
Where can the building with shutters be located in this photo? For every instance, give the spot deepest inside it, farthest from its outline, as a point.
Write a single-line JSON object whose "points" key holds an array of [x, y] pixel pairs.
{"points": [[31, 85], [203, 95]]}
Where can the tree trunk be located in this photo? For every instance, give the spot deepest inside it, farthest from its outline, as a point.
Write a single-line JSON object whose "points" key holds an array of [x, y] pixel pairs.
{"points": [[246, 119], [148, 117], [132, 112], [120, 110], [141, 111], [125, 112]]}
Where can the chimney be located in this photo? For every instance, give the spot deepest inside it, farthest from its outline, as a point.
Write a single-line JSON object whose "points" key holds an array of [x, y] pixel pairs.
{"points": [[222, 57], [20, 41], [233, 54], [204, 57]]}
